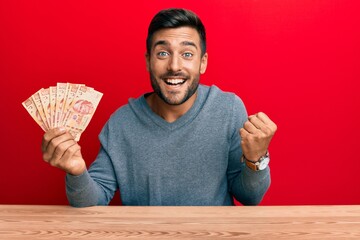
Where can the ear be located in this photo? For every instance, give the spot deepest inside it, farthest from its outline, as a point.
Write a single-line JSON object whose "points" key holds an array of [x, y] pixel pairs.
{"points": [[203, 63], [147, 59]]}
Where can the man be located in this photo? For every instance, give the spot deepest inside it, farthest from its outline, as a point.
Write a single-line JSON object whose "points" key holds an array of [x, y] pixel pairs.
{"points": [[183, 144]]}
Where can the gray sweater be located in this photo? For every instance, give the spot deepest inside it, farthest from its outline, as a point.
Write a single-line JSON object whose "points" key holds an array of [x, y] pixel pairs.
{"points": [[192, 161]]}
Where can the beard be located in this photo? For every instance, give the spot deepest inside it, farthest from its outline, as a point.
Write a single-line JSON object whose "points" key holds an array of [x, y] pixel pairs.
{"points": [[172, 98]]}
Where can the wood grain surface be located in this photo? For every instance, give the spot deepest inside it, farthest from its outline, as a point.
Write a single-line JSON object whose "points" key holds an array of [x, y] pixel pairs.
{"points": [[121, 222]]}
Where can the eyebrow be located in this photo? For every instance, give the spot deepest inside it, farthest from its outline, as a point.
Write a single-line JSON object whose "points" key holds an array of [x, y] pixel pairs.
{"points": [[166, 43]]}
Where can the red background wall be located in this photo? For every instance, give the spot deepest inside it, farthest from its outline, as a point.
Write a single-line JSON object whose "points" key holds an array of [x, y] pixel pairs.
{"points": [[298, 61]]}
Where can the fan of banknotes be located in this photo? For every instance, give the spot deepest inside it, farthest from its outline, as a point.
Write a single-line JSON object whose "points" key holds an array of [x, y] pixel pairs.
{"points": [[66, 105]]}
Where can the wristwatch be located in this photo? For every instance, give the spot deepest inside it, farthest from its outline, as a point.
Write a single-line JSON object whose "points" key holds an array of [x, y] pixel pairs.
{"points": [[260, 164]]}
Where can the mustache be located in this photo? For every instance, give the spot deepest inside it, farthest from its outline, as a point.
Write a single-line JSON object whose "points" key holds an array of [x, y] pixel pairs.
{"points": [[171, 74]]}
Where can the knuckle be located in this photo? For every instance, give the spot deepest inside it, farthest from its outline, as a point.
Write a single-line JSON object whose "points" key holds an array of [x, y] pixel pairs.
{"points": [[247, 123], [245, 136], [53, 163], [53, 143], [267, 131], [262, 115], [271, 130], [58, 152], [49, 135], [252, 118], [46, 157], [72, 150], [258, 136], [46, 138], [250, 138]]}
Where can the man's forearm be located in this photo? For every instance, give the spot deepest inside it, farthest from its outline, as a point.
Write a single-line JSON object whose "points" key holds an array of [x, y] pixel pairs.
{"points": [[250, 187], [81, 190]]}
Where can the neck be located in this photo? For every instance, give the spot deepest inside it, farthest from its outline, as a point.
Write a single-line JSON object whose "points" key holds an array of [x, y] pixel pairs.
{"points": [[169, 113]]}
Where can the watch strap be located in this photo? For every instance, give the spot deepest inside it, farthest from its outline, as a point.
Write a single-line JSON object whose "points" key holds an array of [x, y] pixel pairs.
{"points": [[254, 165]]}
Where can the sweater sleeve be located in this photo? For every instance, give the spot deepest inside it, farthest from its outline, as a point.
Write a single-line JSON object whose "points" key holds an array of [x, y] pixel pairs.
{"points": [[81, 190], [246, 185], [96, 186]]}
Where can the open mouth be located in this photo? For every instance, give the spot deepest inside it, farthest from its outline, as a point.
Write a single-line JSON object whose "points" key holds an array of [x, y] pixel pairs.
{"points": [[174, 81]]}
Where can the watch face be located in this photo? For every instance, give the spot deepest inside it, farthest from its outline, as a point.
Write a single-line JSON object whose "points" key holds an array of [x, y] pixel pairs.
{"points": [[264, 163]]}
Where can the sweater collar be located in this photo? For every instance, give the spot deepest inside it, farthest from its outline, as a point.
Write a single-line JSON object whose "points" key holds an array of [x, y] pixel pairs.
{"points": [[184, 119]]}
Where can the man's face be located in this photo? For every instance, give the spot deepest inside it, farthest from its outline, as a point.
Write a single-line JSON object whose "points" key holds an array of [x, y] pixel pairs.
{"points": [[175, 64]]}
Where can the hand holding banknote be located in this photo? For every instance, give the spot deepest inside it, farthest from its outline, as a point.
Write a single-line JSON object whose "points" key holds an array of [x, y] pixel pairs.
{"points": [[62, 151], [63, 112]]}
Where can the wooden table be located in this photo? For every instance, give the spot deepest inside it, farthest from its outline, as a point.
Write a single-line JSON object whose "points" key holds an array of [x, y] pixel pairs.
{"points": [[119, 222]]}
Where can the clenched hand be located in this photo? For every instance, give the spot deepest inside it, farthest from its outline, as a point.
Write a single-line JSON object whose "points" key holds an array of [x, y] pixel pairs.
{"points": [[256, 136]]}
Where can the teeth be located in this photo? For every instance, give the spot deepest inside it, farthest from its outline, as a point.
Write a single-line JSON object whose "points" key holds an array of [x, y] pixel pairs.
{"points": [[175, 81]]}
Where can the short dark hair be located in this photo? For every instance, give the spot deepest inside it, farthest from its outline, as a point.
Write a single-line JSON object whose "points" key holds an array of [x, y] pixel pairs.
{"points": [[174, 18]]}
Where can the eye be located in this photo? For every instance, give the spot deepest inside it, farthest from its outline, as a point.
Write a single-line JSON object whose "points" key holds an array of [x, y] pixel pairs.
{"points": [[188, 55], [162, 54]]}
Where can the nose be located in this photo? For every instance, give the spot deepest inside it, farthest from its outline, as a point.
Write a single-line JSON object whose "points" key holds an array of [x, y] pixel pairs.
{"points": [[174, 63]]}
